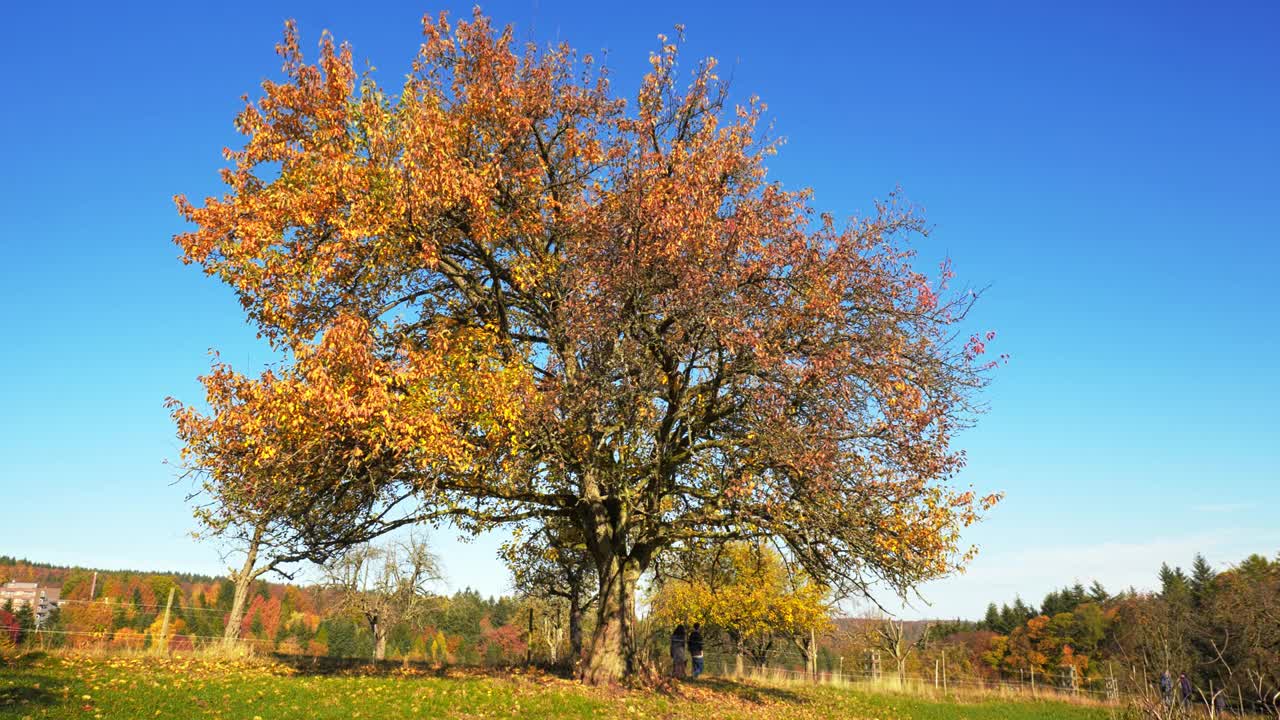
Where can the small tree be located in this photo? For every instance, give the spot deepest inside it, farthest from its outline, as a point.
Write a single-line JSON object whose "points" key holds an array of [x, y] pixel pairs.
{"points": [[891, 636], [10, 626], [1201, 580], [1098, 593], [552, 563], [746, 591], [160, 635], [384, 585], [553, 631], [249, 502], [26, 621], [439, 648]]}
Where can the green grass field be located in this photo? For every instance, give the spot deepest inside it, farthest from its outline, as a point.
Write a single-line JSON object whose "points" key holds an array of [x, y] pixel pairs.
{"points": [[127, 688]]}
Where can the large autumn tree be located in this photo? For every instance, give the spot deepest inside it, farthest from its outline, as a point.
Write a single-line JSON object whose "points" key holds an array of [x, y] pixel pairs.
{"points": [[522, 297]]}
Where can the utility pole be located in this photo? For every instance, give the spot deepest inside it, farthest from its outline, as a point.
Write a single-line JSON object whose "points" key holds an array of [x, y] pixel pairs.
{"points": [[164, 625]]}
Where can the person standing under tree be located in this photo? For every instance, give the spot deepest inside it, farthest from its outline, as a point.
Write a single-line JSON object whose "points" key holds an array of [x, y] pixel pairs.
{"points": [[1184, 683], [695, 649], [677, 651]]}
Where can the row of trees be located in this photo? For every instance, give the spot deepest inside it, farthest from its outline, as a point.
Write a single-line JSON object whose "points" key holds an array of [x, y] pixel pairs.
{"points": [[1005, 618], [318, 620], [379, 602], [751, 604], [1221, 628], [17, 623]]}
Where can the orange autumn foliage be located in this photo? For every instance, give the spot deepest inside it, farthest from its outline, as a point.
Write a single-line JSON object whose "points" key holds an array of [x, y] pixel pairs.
{"points": [[505, 294]]}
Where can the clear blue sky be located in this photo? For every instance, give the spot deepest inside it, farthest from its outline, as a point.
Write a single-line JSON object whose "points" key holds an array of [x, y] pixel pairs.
{"points": [[1110, 170]]}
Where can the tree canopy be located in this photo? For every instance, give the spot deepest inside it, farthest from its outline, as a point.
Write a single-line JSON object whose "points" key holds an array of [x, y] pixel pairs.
{"points": [[508, 295]]}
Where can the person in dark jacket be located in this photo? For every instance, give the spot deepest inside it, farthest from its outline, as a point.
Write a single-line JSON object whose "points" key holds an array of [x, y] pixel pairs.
{"points": [[678, 639], [1184, 684], [1166, 687], [695, 649]]}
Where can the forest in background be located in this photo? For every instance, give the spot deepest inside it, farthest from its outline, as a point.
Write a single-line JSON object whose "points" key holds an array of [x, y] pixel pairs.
{"points": [[1221, 628], [127, 607]]}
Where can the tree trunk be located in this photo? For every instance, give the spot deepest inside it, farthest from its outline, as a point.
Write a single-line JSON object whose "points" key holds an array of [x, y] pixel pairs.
{"points": [[575, 626], [232, 632], [739, 663], [809, 653], [379, 640], [379, 630], [612, 654], [243, 581], [620, 560]]}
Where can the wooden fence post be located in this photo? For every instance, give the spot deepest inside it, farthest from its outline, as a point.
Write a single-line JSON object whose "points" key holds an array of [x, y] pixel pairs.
{"points": [[813, 654], [164, 625], [528, 650]]}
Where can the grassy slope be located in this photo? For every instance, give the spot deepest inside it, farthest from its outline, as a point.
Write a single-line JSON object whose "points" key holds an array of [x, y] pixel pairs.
{"points": [[139, 687]]}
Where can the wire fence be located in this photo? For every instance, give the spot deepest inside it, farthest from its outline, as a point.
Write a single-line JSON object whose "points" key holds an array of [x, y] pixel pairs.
{"points": [[109, 638], [718, 663], [789, 665], [1213, 702], [724, 662], [150, 607]]}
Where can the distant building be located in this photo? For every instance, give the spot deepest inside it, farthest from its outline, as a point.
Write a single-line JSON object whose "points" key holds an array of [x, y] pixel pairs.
{"points": [[41, 599]]}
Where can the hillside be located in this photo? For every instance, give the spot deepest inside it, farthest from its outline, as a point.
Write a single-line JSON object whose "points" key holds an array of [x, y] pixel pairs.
{"points": [[76, 581], [126, 606]]}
